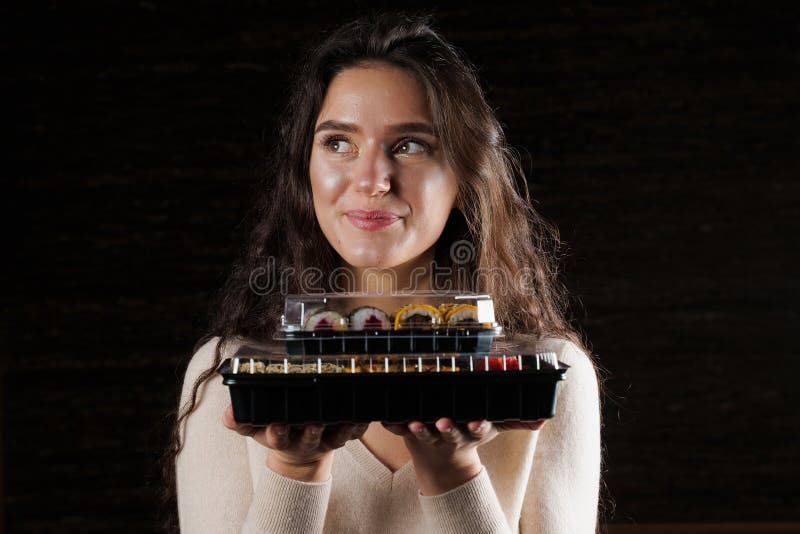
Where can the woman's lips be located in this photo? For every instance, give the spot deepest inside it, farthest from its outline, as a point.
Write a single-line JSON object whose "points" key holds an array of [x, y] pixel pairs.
{"points": [[371, 219]]}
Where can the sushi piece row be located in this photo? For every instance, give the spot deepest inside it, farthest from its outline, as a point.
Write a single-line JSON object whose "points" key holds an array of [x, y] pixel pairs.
{"points": [[412, 316], [392, 364]]}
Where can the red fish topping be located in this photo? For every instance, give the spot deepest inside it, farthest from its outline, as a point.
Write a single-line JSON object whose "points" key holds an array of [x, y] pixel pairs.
{"points": [[496, 364], [373, 323]]}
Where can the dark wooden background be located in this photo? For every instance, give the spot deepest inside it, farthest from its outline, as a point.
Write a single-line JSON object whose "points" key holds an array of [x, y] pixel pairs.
{"points": [[661, 138]]}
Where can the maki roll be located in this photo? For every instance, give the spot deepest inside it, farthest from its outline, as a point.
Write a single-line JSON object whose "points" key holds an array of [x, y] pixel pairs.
{"points": [[445, 308], [311, 310], [325, 320], [417, 316], [369, 318], [462, 315]]}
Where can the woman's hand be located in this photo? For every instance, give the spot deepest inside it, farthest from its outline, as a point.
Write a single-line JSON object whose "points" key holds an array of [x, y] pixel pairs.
{"points": [[445, 455], [300, 452]]}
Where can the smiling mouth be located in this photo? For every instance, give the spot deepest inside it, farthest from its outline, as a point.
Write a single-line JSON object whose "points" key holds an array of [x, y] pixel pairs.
{"points": [[371, 220]]}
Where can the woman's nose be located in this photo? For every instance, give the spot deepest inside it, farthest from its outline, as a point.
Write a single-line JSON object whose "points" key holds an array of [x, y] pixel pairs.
{"points": [[373, 171]]}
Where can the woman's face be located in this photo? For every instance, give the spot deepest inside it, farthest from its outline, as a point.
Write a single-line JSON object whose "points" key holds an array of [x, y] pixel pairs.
{"points": [[382, 188]]}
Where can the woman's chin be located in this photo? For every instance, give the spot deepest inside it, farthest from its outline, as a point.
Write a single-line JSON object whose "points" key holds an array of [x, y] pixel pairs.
{"points": [[369, 261], [368, 253]]}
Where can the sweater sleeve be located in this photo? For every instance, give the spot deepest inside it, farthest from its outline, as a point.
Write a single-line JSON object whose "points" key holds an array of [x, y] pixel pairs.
{"points": [[282, 504], [562, 491], [216, 492], [470, 508]]}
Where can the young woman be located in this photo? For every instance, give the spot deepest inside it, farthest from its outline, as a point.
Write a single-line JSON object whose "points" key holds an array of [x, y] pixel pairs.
{"points": [[387, 160]]}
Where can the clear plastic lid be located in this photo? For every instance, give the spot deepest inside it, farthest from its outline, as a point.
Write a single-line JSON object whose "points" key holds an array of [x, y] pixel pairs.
{"points": [[254, 362], [342, 312], [268, 358]]}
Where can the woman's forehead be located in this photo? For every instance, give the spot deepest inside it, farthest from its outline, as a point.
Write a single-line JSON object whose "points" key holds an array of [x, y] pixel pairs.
{"points": [[378, 94]]}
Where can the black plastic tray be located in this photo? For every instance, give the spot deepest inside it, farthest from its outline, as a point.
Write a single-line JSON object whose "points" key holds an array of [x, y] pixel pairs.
{"points": [[260, 399], [406, 341]]}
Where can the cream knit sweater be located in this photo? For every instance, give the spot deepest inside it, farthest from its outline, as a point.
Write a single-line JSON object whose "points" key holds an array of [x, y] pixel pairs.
{"points": [[532, 482]]}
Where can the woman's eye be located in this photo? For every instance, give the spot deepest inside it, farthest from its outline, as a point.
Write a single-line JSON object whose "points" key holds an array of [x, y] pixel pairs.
{"points": [[338, 145], [409, 146]]}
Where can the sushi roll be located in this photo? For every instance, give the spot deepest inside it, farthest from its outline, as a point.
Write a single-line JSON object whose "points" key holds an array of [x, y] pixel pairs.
{"points": [[417, 316], [369, 318], [463, 314], [445, 308], [325, 320], [311, 309]]}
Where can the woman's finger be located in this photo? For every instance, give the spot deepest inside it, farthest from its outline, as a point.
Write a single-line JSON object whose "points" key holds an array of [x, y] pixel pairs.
{"points": [[240, 428], [277, 437], [422, 432], [336, 436], [479, 429], [310, 438], [227, 418], [448, 431]]}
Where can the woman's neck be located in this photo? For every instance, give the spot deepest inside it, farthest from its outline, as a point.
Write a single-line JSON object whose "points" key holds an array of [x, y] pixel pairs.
{"points": [[414, 275]]}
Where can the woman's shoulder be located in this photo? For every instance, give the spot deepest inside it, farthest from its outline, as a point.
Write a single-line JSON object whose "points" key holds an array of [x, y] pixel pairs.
{"points": [[204, 354], [582, 373], [567, 351], [204, 357]]}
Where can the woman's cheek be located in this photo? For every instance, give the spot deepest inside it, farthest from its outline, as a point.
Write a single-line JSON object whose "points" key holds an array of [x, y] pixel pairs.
{"points": [[441, 186], [331, 185], [328, 182]]}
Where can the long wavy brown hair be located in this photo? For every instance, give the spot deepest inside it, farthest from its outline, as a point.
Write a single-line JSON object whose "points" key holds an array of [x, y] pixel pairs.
{"points": [[494, 215]]}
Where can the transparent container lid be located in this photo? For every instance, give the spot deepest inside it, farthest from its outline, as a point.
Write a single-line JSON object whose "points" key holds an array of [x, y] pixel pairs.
{"points": [[268, 358], [252, 362], [349, 312]]}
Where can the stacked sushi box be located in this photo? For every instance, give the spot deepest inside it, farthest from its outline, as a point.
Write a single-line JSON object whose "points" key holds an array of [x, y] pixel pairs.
{"points": [[421, 356]]}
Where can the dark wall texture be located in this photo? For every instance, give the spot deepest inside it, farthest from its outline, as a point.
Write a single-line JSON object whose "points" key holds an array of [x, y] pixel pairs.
{"points": [[660, 137]]}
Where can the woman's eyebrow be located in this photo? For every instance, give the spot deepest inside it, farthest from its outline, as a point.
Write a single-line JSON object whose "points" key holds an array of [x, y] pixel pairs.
{"points": [[405, 127], [336, 125]]}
